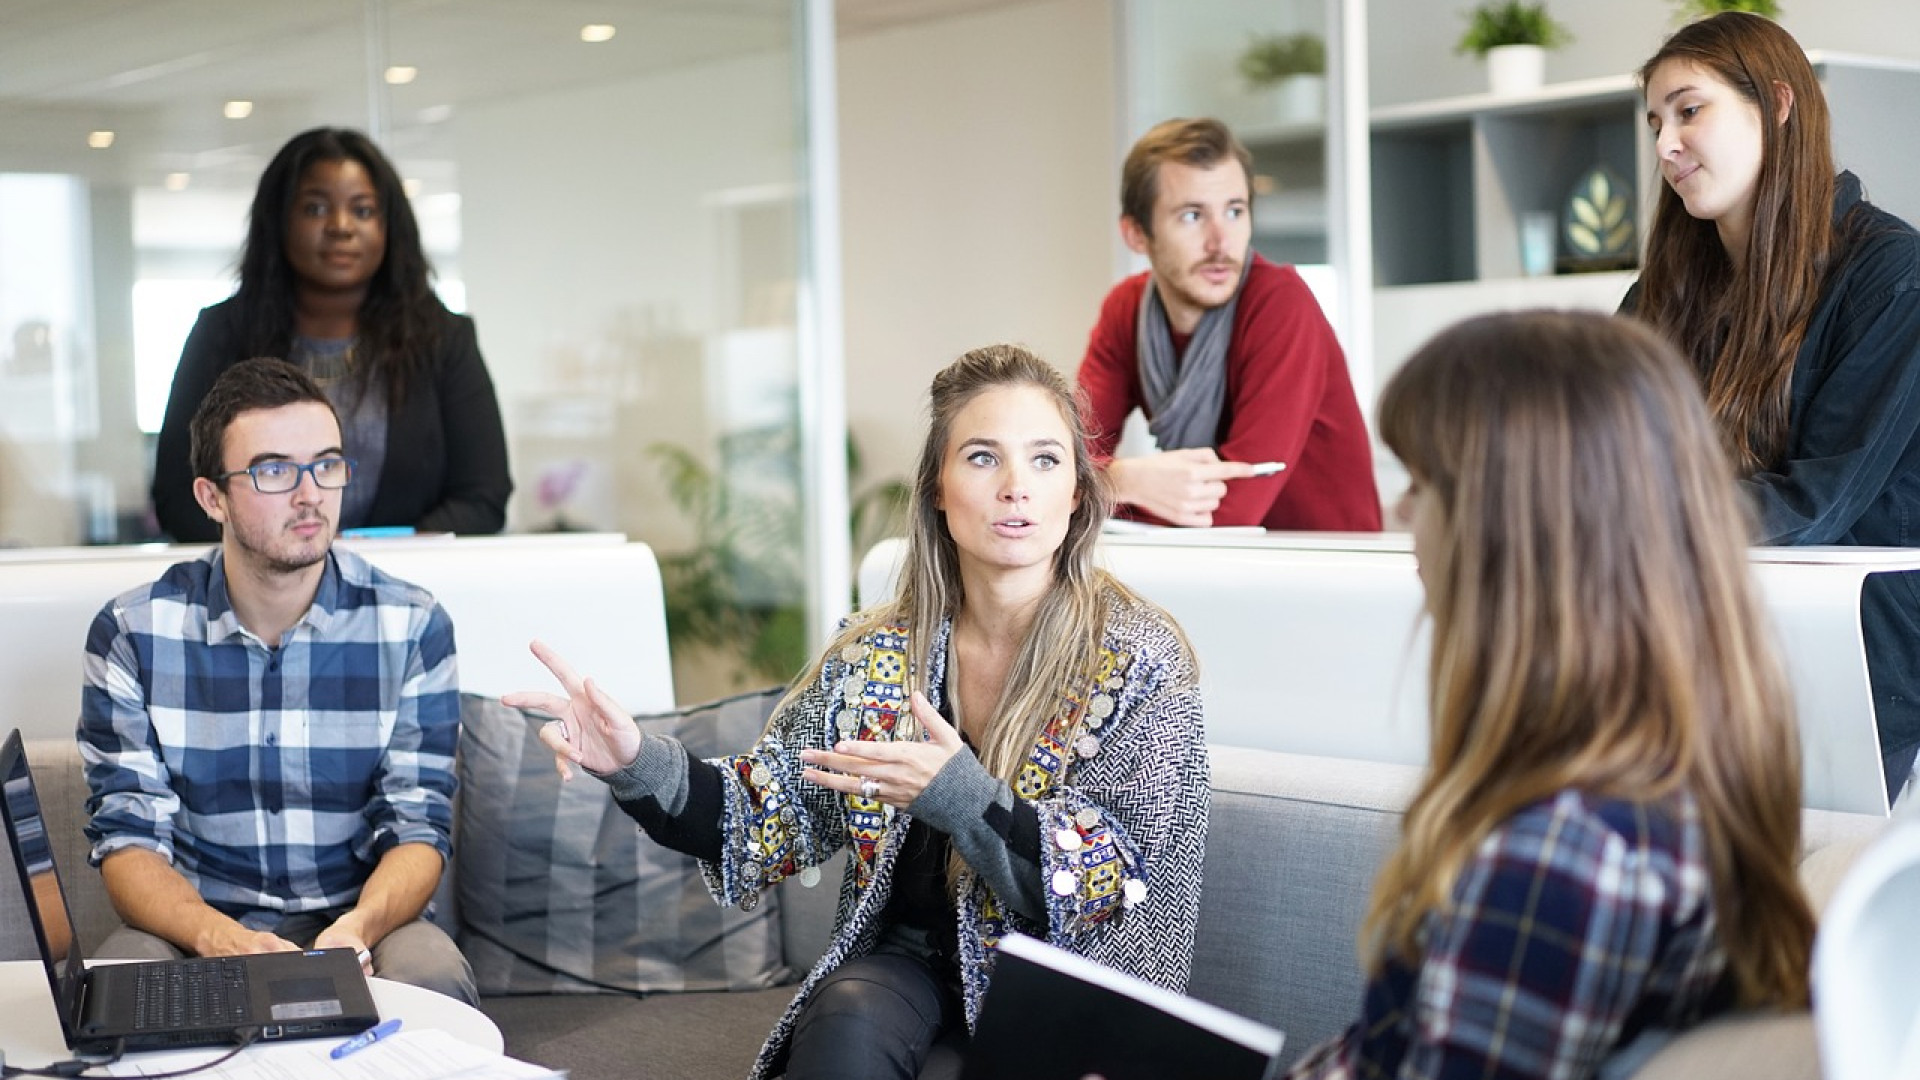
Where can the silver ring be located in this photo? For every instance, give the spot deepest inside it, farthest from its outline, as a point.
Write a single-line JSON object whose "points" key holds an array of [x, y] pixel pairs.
{"points": [[869, 787]]}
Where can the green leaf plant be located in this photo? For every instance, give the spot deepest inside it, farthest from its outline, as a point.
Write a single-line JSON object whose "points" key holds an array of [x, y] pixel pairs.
{"points": [[1510, 22], [740, 589], [1269, 58], [1688, 10]]}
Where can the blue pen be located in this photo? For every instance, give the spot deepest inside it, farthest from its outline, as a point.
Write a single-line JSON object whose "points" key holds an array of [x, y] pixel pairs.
{"points": [[367, 1038]]}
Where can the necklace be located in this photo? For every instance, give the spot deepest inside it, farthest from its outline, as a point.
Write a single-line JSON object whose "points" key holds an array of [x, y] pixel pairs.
{"points": [[327, 362]]}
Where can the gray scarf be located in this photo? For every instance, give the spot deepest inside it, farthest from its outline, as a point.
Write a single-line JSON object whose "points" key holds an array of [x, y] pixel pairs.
{"points": [[1185, 394]]}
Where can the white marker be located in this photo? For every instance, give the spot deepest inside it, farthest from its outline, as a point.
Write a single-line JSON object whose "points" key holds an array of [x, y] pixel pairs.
{"points": [[1268, 468]]}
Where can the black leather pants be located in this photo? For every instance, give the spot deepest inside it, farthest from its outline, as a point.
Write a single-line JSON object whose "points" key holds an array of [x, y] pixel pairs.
{"points": [[886, 1016]]}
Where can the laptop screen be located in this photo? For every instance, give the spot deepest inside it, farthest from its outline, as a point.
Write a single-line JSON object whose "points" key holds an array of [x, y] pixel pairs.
{"points": [[40, 887]]}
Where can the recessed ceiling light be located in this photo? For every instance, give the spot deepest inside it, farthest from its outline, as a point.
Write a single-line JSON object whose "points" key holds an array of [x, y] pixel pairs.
{"points": [[596, 32], [237, 110], [411, 185], [177, 181], [401, 75], [100, 140]]}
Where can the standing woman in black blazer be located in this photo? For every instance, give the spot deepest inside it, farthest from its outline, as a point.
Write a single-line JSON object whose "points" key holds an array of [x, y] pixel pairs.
{"points": [[333, 278]]}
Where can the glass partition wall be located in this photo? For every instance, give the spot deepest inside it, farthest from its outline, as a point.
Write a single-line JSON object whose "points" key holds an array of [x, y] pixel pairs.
{"points": [[621, 205]]}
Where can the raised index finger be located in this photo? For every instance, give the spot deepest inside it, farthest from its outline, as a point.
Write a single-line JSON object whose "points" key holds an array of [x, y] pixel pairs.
{"points": [[569, 679]]}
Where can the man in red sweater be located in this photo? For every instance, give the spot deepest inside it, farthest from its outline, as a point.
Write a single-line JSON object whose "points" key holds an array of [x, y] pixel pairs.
{"points": [[1227, 354]]}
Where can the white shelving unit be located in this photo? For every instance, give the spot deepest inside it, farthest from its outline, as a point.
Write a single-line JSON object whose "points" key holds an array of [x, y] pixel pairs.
{"points": [[1291, 219], [1452, 178]]}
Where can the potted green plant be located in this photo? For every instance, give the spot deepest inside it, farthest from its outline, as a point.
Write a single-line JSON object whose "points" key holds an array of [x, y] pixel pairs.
{"points": [[1513, 38], [1689, 10], [738, 592], [1290, 70]]}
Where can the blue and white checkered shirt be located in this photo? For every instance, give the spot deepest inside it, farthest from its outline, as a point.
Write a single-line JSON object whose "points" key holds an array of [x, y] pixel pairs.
{"points": [[273, 778], [1579, 923]]}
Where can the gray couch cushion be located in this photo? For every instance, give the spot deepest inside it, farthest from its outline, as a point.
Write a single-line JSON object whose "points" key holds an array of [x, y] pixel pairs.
{"points": [[1291, 855], [1750, 1045], [62, 786], [560, 892]]}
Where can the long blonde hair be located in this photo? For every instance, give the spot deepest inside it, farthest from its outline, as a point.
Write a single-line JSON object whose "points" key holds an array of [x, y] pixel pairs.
{"points": [[1594, 622], [1065, 637]]}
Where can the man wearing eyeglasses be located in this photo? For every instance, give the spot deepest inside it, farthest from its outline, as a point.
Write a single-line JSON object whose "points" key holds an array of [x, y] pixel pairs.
{"points": [[269, 730]]}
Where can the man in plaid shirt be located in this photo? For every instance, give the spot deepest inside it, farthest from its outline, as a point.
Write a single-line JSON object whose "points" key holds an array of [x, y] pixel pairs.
{"points": [[269, 730]]}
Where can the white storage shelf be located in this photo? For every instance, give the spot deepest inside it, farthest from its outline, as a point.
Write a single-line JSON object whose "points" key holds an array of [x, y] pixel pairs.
{"points": [[1290, 213], [1451, 179]]}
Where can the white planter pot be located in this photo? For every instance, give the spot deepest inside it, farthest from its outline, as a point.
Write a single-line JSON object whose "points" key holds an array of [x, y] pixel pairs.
{"points": [[1297, 99], [1516, 69]]}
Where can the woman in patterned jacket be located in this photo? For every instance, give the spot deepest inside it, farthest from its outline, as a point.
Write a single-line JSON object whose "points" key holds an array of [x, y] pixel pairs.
{"points": [[1602, 850], [1012, 743]]}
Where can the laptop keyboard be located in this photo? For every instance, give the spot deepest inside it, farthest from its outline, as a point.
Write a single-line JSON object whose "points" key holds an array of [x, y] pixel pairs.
{"points": [[191, 993]]}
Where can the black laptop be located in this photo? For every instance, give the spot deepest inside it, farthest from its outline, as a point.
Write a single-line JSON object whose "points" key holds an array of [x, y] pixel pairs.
{"points": [[169, 1003]]}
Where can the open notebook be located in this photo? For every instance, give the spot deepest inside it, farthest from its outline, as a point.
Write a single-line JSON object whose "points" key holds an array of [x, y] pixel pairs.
{"points": [[1052, 1015]]}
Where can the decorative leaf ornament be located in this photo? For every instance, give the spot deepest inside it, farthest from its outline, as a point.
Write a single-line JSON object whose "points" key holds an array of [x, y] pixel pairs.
{"points": [[1599, 218]]}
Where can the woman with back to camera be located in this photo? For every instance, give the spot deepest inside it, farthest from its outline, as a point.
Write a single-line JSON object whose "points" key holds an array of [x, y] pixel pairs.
{"points": [[334, 279], [1603, 845], [1012, 742], [1798, 303]]}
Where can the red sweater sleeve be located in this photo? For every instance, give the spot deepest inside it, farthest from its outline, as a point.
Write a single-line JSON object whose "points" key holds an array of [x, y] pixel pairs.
{"points": [[1110, 373], [1290, 398]]}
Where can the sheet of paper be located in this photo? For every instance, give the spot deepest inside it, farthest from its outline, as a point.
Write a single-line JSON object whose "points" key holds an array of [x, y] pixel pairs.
{"points": [[1124, 527], [412, 1054]]}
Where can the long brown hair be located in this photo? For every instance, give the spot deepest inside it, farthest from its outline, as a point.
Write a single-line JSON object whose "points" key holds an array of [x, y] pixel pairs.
{"points": [[1594, 622], [1066, 633], [1742, 328]]}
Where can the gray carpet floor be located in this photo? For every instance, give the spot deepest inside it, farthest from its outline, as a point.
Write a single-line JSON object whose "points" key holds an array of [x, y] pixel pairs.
{"points": [[661, 1037]]}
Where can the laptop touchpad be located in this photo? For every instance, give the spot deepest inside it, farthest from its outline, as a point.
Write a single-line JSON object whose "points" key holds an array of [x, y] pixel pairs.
{"points": [[303, 998]]}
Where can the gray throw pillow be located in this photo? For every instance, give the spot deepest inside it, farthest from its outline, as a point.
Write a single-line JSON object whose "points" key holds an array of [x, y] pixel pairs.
{"points": [[560, 891]]}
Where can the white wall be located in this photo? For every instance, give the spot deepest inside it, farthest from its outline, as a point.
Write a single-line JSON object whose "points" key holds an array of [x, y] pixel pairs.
{"points": [[979, 191]]}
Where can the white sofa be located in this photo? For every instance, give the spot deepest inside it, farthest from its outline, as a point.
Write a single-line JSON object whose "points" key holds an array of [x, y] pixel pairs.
{"points": [[1313, 643], [593, 596]]}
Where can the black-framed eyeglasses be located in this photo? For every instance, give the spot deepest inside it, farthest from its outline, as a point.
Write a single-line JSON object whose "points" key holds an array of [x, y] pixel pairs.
{"points": [[280, 477]]}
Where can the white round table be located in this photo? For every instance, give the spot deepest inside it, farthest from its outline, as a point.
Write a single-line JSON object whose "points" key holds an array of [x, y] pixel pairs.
{"points": [[426, 1009]]}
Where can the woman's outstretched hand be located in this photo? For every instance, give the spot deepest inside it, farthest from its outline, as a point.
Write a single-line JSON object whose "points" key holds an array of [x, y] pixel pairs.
{"points": [[893, 772], [589, 728]]}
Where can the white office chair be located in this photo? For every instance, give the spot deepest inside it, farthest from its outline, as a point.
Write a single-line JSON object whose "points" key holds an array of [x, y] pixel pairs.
{"points": [[1866, 964]]}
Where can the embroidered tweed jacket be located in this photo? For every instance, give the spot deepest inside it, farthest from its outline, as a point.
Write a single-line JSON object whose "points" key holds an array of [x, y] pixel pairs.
{"points": [[1123, 815]]}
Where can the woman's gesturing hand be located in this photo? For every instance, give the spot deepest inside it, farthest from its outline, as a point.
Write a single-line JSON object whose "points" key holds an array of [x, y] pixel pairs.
{"points": [[893, 772], [589, 728]]}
